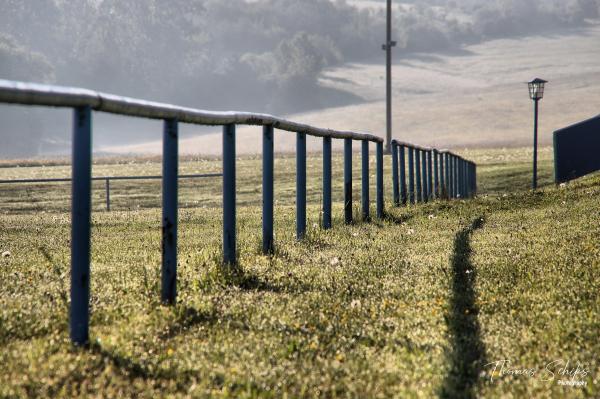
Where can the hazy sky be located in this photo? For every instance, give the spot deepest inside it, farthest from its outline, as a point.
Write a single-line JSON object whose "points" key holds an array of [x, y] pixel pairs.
{"points": [[287, 57]]}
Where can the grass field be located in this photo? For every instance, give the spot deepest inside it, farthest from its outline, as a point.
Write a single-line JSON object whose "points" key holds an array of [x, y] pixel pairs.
{"points": [[416, 305]]}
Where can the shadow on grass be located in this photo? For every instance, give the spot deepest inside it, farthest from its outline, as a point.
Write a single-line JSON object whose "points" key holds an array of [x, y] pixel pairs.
{"points": [[27, 329], [187, 318], [251, 282], [132, 368], [468, 351], [245, 280], [391, 218]]}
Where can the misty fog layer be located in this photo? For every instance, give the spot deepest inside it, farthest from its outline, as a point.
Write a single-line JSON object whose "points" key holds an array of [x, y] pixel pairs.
{"points": [[259, 55]]}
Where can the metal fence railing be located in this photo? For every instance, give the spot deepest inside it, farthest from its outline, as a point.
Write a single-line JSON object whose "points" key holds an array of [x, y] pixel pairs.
{"points": [[431, 174], [458, 176], [106, 180]]}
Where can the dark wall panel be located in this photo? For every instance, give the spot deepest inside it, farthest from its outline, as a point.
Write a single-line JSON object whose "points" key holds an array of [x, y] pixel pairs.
{"points": [[577, 150]]}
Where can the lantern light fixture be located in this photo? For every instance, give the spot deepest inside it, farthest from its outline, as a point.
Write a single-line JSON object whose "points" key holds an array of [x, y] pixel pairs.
{"points": [[536, 89]]}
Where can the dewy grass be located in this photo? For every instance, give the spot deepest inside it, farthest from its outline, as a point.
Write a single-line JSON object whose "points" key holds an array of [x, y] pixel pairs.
{"points": [[421, 304]]}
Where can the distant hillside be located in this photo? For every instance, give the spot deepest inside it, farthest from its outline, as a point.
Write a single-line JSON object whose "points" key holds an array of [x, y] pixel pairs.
{"points": [[475, 97], [264, 56]]}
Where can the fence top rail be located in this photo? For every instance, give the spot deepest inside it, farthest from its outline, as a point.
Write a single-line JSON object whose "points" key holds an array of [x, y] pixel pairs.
{"points": [[422, 148], [446, 151], [13, 92], [411, 145]]}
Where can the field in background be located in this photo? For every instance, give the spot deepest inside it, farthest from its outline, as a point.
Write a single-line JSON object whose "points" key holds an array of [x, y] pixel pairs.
{"points": [[499, 171], [414, 305]]}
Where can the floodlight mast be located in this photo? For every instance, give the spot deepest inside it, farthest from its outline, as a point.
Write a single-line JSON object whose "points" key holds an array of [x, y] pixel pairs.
{"points": [[388, 84]]}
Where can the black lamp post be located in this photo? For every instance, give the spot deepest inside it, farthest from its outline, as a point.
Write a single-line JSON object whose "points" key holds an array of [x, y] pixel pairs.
{"points": [[536, 92]]}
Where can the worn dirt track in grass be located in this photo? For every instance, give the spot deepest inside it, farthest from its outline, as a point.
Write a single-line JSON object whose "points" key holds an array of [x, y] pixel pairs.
{"points": [[386, 309]]}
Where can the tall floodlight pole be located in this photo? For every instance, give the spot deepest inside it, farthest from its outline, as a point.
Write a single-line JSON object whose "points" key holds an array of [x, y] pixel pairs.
{"points": [[536, 93], [388, 84]]}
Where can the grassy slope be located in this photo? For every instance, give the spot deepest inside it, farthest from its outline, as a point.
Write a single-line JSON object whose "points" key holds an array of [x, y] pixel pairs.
{"points": [[411, 306]]}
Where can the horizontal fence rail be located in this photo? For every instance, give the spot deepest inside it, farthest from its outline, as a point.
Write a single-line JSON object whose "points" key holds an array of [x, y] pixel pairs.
{"points": [[66, 97], [457, 176], [95, 178], [107, 180]]}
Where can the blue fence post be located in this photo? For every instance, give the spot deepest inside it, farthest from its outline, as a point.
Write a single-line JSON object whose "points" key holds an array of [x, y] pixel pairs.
{"points": [[452, 177], [395, 182], [463, 174], [458, 178], [229, 239], [448, 174], [429, 175], [169, 211], [107, 187], [474, 182], [365, 181], [436, 174], [456, 174], [470, 178], [267, 183], [380, 204], [402, 161], [465, 178], [418, 174], [463, 193], [441, 193], [81, 209], [348, 181], [300, 185], [326, 183], [474, 179], [424, 175], [411, 175]]}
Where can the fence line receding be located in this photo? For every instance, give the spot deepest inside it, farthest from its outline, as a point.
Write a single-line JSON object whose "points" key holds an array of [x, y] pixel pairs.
{"points": [[456, 176]]}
